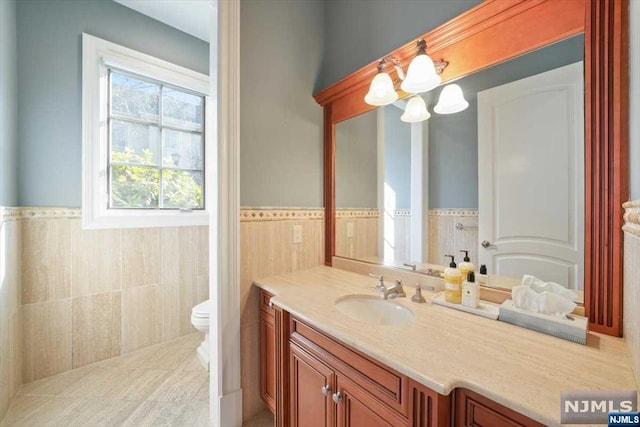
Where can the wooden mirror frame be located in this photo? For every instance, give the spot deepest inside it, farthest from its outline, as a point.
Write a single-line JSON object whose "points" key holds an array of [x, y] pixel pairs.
{"points": [[495, 31]]}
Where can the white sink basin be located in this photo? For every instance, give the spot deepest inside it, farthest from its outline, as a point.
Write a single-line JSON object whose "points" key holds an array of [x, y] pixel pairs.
{"points": [[374, 310]]}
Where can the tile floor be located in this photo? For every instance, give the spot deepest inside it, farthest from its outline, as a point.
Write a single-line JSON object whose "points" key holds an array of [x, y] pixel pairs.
{"points": [[162, 385]]}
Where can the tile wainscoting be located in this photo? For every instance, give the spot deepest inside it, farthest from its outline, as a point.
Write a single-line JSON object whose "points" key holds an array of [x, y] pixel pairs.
{"points": [[267, 249], [10, 313], [82, 296], [445, 238], [89, 295], [363, 242], [632, 283]]}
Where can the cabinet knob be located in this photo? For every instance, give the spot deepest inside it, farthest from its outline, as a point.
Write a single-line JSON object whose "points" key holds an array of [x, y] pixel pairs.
{"points": [[337, 397], [326, 389]]}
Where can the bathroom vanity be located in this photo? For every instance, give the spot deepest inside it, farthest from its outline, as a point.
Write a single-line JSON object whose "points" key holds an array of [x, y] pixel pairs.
{"points": [[320, 366]]}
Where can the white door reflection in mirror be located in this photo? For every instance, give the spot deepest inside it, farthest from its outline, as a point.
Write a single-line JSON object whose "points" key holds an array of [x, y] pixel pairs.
{"points": [[530, 177]]}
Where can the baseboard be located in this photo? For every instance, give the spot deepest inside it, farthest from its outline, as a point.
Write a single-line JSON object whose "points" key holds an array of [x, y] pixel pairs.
{"points": [[232, 414]]}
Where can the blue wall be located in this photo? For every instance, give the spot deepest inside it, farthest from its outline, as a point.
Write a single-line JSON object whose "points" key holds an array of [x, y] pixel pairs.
{"points": [[8, 116], [281, 137], [453, 139], [360, 31], [50, 85]]}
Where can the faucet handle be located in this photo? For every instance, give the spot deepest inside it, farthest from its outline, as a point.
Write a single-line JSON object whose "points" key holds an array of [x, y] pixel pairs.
{"points": [[380, 286], [418, 295]]}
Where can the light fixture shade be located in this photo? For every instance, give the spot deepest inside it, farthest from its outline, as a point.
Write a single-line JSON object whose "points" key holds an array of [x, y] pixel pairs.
{"points": [[415, 111], [451, 100], [381, 91], [421, 75]]}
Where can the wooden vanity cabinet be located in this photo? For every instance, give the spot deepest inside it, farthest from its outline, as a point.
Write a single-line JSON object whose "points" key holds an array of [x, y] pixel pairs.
{"points": [[474, 410], [309, 379], [267, 352], [359, 391]]}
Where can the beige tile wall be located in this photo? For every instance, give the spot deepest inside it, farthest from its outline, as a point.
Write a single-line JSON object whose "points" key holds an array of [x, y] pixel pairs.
{"points": [[10, 314], [402, 235], [88, 295], [445, 239], [267, 249], [364, 242], [631, 290]]}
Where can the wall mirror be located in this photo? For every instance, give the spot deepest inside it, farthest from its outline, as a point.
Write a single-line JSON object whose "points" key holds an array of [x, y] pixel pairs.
{"points": [[407, 194], [389, 200]]}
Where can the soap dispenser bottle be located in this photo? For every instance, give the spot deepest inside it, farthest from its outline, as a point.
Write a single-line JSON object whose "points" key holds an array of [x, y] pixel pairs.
{"points": [[471, 291], [483, 277], [452, 282], [466, 265]]}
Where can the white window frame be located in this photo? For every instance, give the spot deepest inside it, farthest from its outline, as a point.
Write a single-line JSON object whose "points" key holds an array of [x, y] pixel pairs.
{"points": [[97, 57]]}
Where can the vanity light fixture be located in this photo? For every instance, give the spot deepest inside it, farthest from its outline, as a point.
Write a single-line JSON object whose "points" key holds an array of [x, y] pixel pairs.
{"points": [[381, 91], [415, 111], [451, 100], [421, 74]]}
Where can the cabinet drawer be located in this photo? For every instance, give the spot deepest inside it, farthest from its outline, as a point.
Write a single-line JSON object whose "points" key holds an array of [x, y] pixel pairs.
{"points": [[265, 305], [381, 382], [475, 410]]}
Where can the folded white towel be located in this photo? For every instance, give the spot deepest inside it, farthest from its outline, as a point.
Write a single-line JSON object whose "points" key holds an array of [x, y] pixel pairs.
{"points": [[541, 286]]}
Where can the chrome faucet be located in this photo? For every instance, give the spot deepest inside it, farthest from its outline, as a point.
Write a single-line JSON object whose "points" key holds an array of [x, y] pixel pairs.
{"points": [[411, 266], [380, 286], [394, 291]]}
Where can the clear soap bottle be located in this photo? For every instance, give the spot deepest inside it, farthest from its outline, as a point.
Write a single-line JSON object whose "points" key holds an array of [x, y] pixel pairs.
{"points": [[452, 282], [466, 265]]}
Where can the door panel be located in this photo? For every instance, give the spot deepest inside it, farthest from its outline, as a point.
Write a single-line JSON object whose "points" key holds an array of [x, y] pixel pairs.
{"points": [[531, 176], [356, 408], [268, 360], [309, 407]]}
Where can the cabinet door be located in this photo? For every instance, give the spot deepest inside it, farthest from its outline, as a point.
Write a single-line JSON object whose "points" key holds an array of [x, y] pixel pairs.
{"points": [[356, 407], [312, 384], [268, 360], [474, 410]]}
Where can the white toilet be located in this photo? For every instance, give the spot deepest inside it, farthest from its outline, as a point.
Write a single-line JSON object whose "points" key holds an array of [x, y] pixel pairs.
{"points": [[200, 320]]}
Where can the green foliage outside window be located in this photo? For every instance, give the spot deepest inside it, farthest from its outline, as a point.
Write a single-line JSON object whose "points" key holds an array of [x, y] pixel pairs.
{"points": [[139, 186]]}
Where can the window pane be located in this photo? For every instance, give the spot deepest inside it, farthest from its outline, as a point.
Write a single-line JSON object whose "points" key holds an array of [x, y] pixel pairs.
{"points": [[134, 98], [182, 110], [134, 187], [181, 189], [134, 143], [182, 150]]}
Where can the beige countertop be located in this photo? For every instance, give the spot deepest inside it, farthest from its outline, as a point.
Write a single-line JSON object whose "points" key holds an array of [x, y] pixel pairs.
{"points": [[445, 349]]}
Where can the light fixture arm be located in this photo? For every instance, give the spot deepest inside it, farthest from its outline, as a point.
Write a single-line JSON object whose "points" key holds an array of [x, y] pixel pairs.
{"points": [[421, 45]]}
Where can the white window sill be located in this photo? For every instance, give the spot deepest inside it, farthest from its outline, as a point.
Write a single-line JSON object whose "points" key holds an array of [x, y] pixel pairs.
{"points": [[144, 219]]}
